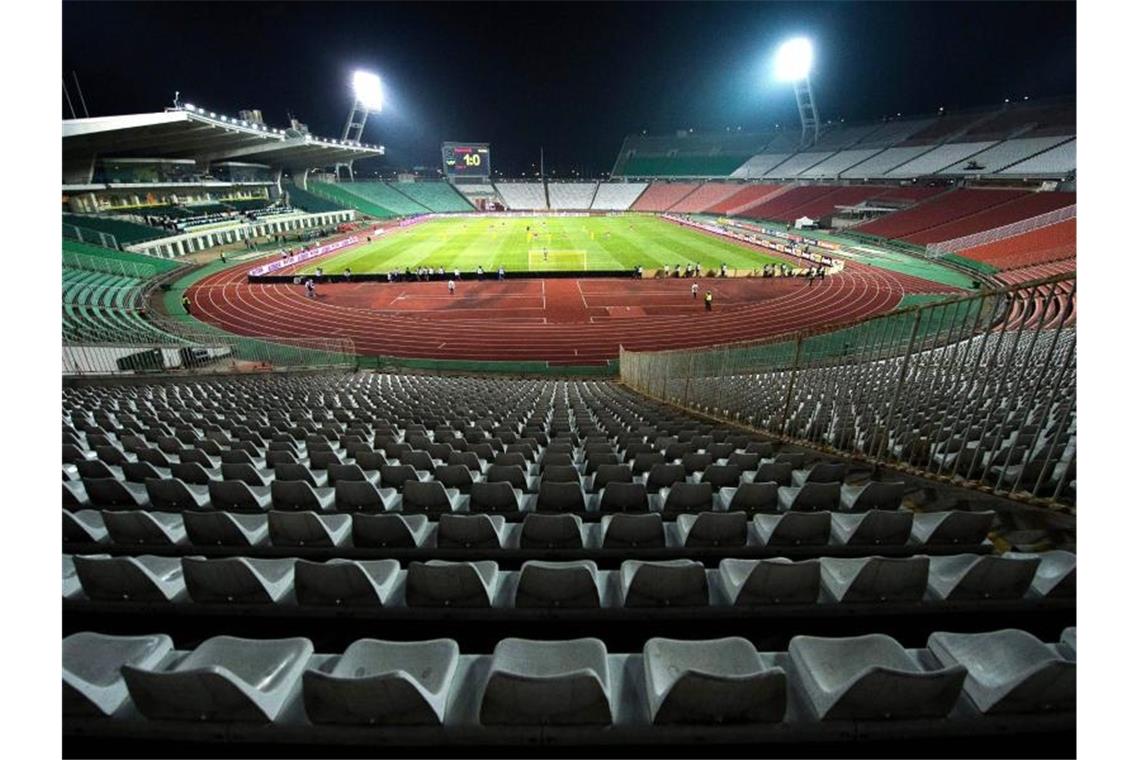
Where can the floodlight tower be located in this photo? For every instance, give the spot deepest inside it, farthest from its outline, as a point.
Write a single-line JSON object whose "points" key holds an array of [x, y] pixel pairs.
{"points": [[367, 97], [793, 64]]}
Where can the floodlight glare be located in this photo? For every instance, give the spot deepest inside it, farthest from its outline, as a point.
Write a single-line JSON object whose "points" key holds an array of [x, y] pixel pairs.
{"points": [[793, 60], [368, 91]]}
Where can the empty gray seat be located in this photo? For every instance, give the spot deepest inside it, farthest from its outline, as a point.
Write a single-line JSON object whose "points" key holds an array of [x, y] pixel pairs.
{"points": [[686, 497], [396, 475], [750, 497], [308, 529], [557, 473], [225, 679], [194, 472], [1009, 671], [1067, 646], [820, 472], [875, 579], [144, 578], [877, 527], [471, 531], [92, 682], [497, 496], [512, 474], [144, 528], [970, 576], [571, 585], [747, 461], [759, 582], [721, 476], [237, 580], [809, 497], [456, 476], [547, 683], [429, 496], [624, 497], [362, 496], [954, 527], [320, 459], [794, 528], [386, 683], [1056, 576], [695, 462], [247, 474], [389, 530], [109, 492], [663, 476], [301, 496], [872, 495], [225, 529], [778, 472], [713, 529], [437, 583], [647, 460], [720, 681], [84, 526], [869, 678], [172, 493], [138, 472], [236, 496], [795, 459], [339, 472], [670, 583], [560, 497], [633, 531], [344, 582], [551, 532], [610, 473]]}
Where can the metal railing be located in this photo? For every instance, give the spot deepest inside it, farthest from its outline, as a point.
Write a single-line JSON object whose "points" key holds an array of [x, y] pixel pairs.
{"points": [[1049, 218], [979, 390], [84, 235]]}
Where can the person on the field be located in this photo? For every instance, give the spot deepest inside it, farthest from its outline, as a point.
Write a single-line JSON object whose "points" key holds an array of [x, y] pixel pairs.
{"points": [[223, 257], [310, 288], [347, 274], [502, 273], [697, 269], [457, 273], [545, 254], [451, 287], [442, 274], [186, 302], [694, 290], [723, 269], [479, 272], [688, 270], [708, 300], [811, 276]]}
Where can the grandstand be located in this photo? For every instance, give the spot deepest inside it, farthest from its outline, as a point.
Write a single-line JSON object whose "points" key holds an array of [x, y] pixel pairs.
{"points": [[523, 195], [434, 196], [571, 195], [617, 196], [660, 196]]}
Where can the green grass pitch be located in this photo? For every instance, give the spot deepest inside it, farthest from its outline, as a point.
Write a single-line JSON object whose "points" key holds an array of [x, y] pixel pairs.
{"points": [[571, 244]]}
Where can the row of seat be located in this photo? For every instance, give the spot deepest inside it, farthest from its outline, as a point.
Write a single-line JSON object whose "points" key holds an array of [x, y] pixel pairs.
{"points": [[877, 528], [574, 584], [571, 682]]}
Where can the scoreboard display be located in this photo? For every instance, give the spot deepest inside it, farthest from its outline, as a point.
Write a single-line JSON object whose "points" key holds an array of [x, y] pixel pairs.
{"points": [[467, 159]]}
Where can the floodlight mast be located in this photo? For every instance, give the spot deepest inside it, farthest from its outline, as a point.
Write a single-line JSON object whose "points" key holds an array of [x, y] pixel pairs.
{"points": [[367, 96], [794, 63]]}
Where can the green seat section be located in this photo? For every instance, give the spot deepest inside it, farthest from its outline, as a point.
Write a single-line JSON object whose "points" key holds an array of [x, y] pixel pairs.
{"points": [[384, 196], [437, 196], [682, 166], [311, 202], [338, 194], [125, 232], [87, 256]]}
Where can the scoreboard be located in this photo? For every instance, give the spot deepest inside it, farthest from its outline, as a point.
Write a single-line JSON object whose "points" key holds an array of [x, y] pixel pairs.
{"points": [[467, 159]]}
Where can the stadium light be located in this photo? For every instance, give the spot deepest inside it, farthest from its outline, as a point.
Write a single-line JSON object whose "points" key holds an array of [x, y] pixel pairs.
{"points": [[187, 107], [368, 90], [793, 60]]}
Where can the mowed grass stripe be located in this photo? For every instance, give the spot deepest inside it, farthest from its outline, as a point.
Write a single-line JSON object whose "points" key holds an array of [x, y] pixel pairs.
{"points": [[609, 243]]}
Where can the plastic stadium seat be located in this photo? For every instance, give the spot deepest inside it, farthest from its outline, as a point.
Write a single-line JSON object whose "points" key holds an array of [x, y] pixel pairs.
{"points": [[84, 526], [670, 583], [820, 472], [873, 495], [954, 527], [551, 532], [396, 531], [875, 579], [384, 683], [396, 475], [468, 459], [144, 528], [437, 583], [308, 529], [750, 497], [109, 492], [370, 460], [431, 496], [623, 497], [686, 497], [138, 472], [513, 474], [92, 682], [721, 476], [874, 528], [225, 529], [145, 578], [572, 585], [225, 679], [194, 472], [495, 496], [663, 475], [1010, 671], [759, 582], [237, 496], [560, 497], [339, 472], [794, 528], [632, 531], [713, 529], [320, 460], [779, 472], [720, 681], [362, 496], [173, 494], [610, 473], [969, 576], [72, 588], [240, 580], [95, 468], [300, 495], [471, 531], [645, 461], [869, 678], [809, 497], [248, 474], [1067, 646], [1056, 576], [456, 476], [547, 683], [344, 582], [558, 473]]}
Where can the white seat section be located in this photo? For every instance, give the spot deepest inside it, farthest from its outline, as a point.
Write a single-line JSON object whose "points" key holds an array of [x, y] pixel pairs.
{"points": [[831, 167], [870, 677], [438, 583], [1056, 576], [711, 682], [308, 529], [797, 164], [397, 531], [878, 527], [624, 531], [881, 163], [225, 679], [1004, 154], [146, 578], [669, 583], [558, 585], [794, 528], [241, 580], [759, 165], [522, 195], [758, 582], [571, 195], [345, 582], [617, 196], [92, 683], [875, 579], [953, 527], [1060, 160], [547, 683], [939, 158], [144, 528], [471, 531], [713, 529], [387, 683], [1010, 671], [968, 576], [84, 526], [226, 529]]}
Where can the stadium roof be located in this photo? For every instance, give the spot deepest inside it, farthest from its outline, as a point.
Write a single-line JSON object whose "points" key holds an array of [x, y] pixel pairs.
{"points": [[190, 132]]}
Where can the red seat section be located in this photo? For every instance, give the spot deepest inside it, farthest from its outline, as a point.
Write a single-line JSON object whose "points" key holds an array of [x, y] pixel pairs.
{"points": [[1057, 241], [744, 199], [706, 195], [661, 195], [841, 196], [783, 207], [910, 194], [1025, 207], [937, 211]]}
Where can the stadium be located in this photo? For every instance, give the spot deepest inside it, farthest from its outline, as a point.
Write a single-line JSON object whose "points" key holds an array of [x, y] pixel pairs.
{"points": [[759, 440]]}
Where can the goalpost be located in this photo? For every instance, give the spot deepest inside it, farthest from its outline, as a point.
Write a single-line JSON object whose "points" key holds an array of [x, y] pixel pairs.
{"points": [[573, 259]]}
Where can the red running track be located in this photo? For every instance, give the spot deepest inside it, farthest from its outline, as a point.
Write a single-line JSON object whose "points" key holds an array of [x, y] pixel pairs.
{"points": [[562, 321]]}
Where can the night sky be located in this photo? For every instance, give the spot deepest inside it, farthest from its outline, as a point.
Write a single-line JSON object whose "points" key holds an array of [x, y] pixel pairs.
{"points": [[574, 78]]}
